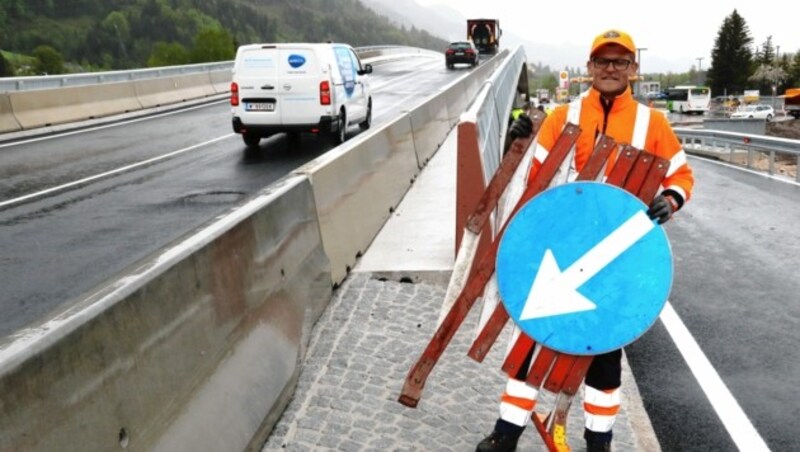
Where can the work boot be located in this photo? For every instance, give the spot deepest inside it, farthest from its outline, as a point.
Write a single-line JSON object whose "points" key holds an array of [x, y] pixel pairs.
{"points": [[498, 442], [598, 446], [503, 439], [597, 441]]}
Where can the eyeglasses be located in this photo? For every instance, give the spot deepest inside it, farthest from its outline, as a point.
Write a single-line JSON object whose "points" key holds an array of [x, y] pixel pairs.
{"points": [[620, 64]]}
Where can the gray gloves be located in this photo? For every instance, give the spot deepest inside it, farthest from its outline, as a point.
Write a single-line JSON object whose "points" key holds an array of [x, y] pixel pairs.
{"points": [[662, 208]]}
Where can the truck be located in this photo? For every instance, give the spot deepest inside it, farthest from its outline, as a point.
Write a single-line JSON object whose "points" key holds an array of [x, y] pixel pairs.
{"points": [[791, 103], [485, 34]]}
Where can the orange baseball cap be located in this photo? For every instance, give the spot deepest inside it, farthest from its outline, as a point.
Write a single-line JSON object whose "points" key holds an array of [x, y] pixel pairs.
{"points": [[613, 37]]}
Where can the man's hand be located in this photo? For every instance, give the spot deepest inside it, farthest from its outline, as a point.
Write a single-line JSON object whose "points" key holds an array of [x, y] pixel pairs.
{"points": [[522, 127], [662, 208]]}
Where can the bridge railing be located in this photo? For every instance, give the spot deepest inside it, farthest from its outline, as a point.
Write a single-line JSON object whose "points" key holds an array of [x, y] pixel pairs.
{"points": [[751, 150], [30, 83]]}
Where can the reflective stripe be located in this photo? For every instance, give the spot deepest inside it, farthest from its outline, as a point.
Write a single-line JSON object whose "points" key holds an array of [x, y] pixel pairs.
{"points": [[541, 153], [517, 403], [604, 398], [525, 404], [567, 171], [676, 162], [640, 126], [574, 111], [599, 424], [600, 408], [515, 415], [518, 388]]}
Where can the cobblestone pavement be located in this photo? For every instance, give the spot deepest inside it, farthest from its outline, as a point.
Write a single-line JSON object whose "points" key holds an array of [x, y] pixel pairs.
{"points": [[360, 352]]}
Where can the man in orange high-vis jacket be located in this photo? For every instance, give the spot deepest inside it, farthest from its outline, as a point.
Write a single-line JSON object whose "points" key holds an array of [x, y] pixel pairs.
{"points": [[607, 108]]}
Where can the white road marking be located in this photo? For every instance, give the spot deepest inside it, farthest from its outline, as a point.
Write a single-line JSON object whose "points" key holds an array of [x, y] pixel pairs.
{"points": [[744, 435], [96, 177]]}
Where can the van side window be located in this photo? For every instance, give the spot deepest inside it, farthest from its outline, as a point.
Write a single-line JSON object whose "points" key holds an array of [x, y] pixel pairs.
{"points": [[347, 68], [356, 61]]}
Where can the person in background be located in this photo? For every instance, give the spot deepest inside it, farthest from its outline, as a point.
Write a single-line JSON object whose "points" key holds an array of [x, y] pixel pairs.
{"points": [[607, 108], [521, 107]]}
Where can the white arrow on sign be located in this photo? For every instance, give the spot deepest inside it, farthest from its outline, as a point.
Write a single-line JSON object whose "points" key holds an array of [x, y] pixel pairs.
{"points": [[555, 292]]}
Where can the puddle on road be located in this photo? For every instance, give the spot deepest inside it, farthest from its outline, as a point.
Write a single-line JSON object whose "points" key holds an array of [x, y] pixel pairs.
{"points": [[218, 197]]}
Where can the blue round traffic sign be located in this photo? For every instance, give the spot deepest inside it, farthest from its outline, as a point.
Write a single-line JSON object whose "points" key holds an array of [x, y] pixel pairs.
{"points": [[582, 269]]}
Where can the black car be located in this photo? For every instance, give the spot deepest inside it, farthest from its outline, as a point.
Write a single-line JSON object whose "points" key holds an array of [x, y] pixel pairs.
{"points": [[463, 52]]}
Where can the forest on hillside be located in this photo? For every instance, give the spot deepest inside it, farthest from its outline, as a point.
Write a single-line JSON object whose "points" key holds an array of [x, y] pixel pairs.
{"points": [[56, 36]]}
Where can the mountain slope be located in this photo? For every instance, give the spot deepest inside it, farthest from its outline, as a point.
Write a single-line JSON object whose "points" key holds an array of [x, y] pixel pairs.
{"points": [[119, 34]]}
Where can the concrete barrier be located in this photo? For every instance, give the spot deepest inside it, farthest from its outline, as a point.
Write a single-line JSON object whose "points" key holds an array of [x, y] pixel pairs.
{"points": [[457, 102], [164, 91], [38, 108], [430, 125], [220, 81], [357, 186], [196, 348], [62, 105], [742, 125], [8, 122]]}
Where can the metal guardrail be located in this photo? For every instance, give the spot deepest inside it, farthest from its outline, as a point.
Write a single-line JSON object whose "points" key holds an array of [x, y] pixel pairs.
{"points": [[495, 101], [13, 84], [730, 144]]}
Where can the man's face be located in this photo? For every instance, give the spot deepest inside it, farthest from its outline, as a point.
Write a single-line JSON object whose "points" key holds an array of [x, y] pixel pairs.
{"points": [[609, 76]]}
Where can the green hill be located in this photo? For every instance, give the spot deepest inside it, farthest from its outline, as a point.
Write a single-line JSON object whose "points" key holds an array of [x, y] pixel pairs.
{"points": [[123, 34]]}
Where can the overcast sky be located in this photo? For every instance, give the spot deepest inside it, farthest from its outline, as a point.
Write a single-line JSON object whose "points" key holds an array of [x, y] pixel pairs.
{"points": [[677, 32]]}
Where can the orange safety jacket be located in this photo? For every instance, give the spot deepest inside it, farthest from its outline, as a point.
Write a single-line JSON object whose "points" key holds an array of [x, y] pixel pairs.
{"points": [[652, 133]]}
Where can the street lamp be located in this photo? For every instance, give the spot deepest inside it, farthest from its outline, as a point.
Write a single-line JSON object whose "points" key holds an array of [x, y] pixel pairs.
{"points": [[639, 71], [699, 70]]}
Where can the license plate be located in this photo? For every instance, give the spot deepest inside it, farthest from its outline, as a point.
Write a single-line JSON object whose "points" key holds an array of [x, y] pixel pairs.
{"points": [[260, 106], [459, 53]]}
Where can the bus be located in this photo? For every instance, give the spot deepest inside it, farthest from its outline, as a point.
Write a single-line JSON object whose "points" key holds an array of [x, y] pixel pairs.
{"points": [[688, 99]]}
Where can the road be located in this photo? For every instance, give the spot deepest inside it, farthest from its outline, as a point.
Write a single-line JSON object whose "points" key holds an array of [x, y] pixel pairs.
{"points": [[737, 250], [134, 187], [79, 207]]}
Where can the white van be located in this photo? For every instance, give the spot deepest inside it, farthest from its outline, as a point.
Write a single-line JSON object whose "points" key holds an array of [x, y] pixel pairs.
{"points": [[294, 88]]}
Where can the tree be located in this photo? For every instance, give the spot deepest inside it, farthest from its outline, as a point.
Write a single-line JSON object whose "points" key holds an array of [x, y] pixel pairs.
{"points": [[168, 54], [765, 54], [794, 71], [116, 25], [213, 44], [731, 57], [48, 60], [6, 69], [769, 77]]}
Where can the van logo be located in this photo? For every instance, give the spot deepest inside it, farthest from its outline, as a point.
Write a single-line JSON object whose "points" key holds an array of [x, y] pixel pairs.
{"points": [[287, 87], [296, 61]]}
